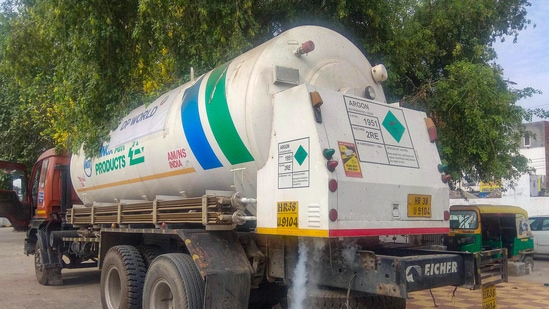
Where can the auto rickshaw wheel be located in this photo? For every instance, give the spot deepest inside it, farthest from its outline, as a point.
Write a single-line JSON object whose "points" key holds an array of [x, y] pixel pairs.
{"points": [[529, 262]]}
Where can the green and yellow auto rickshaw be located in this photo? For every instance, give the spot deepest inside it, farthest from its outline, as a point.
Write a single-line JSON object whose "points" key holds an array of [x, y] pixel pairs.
{"points": [[475, 228]]}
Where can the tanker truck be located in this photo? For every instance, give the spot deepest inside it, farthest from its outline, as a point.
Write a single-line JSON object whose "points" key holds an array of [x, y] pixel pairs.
{"points": [[265, 181]]}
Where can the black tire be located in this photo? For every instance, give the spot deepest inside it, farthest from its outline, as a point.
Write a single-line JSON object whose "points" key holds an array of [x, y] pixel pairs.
{"points": [[149, 253], [122, 278], [45, 275], [529, 262], [173, 281], [338, 299]]}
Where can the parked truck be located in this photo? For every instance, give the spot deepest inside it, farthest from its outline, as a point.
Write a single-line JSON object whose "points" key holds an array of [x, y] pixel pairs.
{"points": [[248, 186]]}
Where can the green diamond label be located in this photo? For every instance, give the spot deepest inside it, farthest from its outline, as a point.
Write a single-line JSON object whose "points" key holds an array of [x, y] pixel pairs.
{"points": [[293, 164], [300, 155], [393, 126], [380, 134]]}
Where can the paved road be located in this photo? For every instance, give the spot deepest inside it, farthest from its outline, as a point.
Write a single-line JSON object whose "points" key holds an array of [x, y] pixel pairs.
{"points": [[521, 292], [19, 288]]}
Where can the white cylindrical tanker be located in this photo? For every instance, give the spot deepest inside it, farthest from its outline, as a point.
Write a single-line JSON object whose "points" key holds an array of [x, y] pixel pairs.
{"points": [[213, 133]]}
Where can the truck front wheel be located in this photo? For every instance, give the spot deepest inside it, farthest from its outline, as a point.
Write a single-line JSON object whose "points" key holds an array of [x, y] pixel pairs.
{"points": [[173, 281], [44, 275], [122, 278]]}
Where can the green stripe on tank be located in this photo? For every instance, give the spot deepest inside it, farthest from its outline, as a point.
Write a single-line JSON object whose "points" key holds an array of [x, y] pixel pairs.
{"points": [[220, 118]]}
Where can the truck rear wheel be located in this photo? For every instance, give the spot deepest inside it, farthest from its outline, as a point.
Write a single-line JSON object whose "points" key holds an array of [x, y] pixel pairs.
{"points": [[149, 253], [173, 281], [122, 278]]}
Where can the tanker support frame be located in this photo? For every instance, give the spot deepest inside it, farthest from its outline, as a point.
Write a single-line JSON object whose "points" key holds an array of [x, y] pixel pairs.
{"points": [[149, 251]]}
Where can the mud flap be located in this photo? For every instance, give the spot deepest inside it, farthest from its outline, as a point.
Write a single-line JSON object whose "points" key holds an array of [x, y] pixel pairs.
{"points": [[223, 264], [430, 271], [50, 261]]}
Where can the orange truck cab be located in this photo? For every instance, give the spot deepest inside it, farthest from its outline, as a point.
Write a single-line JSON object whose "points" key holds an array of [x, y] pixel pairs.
{"points": [[48, 198], [40, 203], [51, 194]]}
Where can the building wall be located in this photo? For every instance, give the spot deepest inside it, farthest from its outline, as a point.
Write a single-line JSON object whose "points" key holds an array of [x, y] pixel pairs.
{"points": [[537, 134], [537, 151], [519, 196]]}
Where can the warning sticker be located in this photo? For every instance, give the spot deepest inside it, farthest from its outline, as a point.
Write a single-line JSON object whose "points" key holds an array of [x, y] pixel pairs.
{"points": [[351, 164]]}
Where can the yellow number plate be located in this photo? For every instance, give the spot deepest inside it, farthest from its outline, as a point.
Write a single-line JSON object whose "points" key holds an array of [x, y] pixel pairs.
{"points": [[419, 205], [287, 215], [489, 297]]}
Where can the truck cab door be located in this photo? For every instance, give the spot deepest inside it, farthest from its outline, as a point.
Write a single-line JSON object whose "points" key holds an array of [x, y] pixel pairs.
{"points": [[14, 197], [38, 190]]}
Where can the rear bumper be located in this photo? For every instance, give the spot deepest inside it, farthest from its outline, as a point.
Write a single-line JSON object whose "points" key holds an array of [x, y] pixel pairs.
{"points": [[398, 272]]}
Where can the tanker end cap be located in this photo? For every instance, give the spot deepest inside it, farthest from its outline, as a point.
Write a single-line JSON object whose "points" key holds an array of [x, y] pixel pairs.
{"points": [[305, 48], [379, 73]]}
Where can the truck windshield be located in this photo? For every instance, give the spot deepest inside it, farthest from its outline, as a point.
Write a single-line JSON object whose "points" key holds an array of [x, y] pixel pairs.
{"points": [[463, 219]]}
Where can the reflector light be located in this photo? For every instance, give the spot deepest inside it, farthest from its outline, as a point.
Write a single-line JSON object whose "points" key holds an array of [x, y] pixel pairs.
{"points": [[446, 215], [431, 129], [328, 153], [306, 48], [442, 168], [370, 93], [332, 215], [332, 185], [446, 178], [316, 99], [331, 165]]}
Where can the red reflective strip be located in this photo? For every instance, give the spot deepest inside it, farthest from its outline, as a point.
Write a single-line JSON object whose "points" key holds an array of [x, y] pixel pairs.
{"points": [[394, 231]]}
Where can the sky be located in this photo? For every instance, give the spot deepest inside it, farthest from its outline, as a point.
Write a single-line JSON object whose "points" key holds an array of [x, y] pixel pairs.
{"points": [[527, 62]]}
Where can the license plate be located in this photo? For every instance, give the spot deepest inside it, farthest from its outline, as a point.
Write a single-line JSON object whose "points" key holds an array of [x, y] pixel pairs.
{"points": [[489, 297], [287, 215], [419, 205]]}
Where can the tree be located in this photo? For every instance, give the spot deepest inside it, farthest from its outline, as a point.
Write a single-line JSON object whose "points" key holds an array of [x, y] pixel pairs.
{"points": [[23, 83], [444, 64], [73, 68], [440, 60]]}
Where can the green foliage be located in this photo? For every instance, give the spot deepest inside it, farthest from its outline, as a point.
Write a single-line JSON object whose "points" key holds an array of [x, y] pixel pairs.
{"points": [[76, 67], [22, 133], [480, 127], [70, 69], [439, 61]]}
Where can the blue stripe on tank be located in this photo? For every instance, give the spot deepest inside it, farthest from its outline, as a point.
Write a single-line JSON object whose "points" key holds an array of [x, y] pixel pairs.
{"points": [[194, 131]]}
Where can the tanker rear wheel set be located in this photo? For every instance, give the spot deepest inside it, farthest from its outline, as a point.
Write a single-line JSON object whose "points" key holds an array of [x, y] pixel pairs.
{"points": [[122, 278], [173, 281], [149, 253]]}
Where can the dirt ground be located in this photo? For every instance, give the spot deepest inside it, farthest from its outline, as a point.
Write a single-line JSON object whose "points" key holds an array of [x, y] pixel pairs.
{"points": [[19, 288]]}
